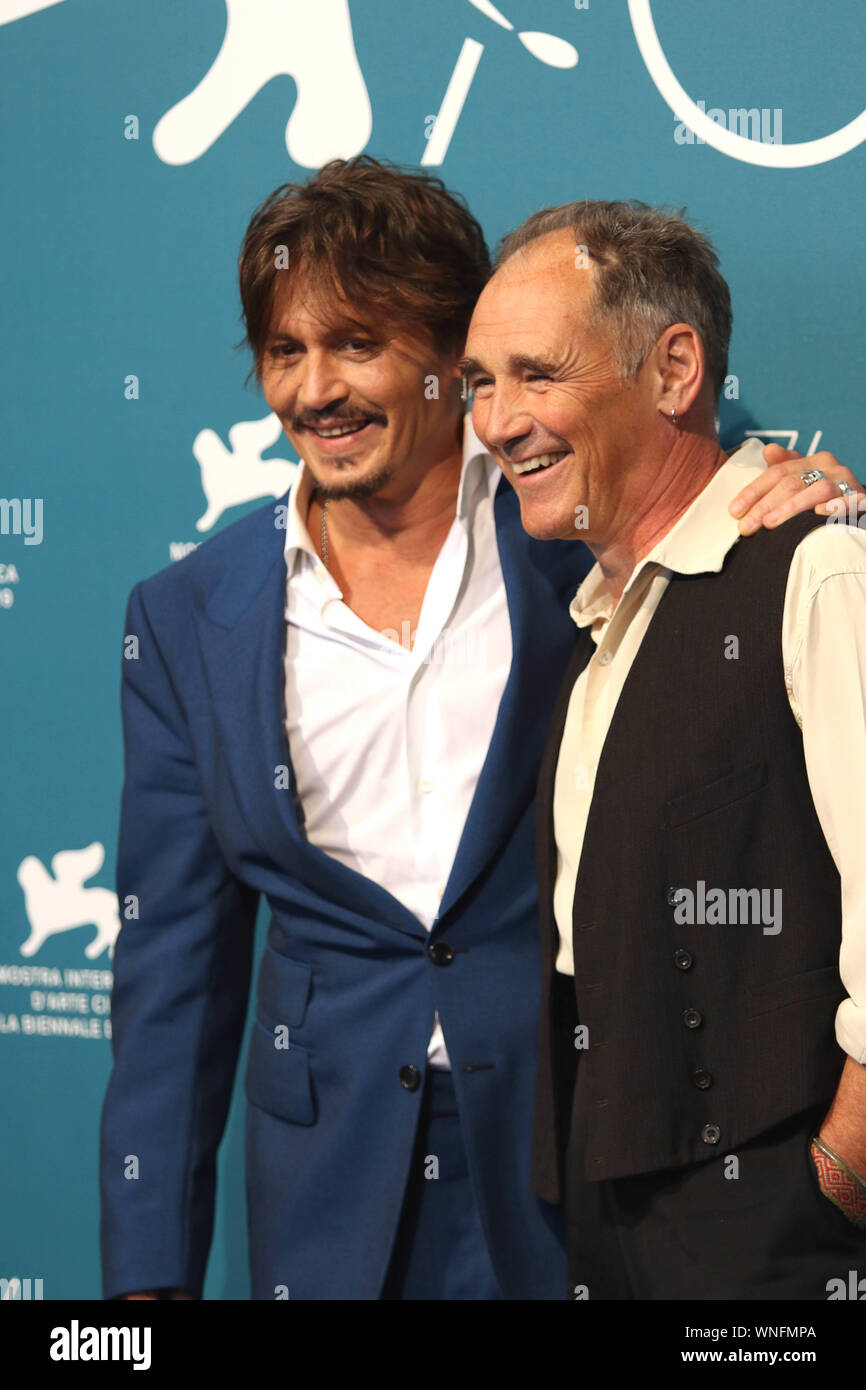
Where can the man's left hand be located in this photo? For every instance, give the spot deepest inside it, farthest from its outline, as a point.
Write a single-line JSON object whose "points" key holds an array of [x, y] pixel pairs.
{"points": [[780, 493], [844, 1131]]}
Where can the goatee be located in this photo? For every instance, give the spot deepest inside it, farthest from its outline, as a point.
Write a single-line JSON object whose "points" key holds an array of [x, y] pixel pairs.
{"points": [[358, 488]]}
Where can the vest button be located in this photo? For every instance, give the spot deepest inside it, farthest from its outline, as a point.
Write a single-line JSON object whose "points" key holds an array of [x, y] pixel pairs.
{"points": [[711, 1134], [702, 1078], [410, 1078], [692, 1018], [673, 896], [440, 952], [683, 960]]}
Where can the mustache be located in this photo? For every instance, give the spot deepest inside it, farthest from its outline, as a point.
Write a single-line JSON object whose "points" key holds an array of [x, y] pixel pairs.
{"points": [[311, 419]]}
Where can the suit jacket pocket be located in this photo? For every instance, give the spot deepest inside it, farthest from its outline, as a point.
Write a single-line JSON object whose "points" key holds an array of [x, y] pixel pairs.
{"points": [[795, 989], [713, 796], [283, 990], [278, 1077]]}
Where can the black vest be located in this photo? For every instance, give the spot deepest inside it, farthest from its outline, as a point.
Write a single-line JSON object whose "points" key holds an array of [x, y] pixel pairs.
{"points": [[700, 1035]]}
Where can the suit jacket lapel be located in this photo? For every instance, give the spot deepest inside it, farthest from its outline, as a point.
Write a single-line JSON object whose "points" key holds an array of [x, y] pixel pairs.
{"points": [[540, 578], [243, 650]]}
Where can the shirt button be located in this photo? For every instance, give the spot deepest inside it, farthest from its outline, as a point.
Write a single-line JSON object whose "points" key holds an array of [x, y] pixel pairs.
{"points": [[425, 784], [692, 1018], [410, 1078], [440, 952], [683, 960], [711, 1134], [702, 1078], [605, 657]]}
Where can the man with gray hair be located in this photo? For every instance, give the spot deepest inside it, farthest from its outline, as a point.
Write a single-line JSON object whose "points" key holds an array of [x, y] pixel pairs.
{"points": [[701, 1101]]}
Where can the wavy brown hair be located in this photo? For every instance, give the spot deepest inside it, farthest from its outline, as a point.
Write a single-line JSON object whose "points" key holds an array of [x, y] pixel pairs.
{"points": [[391, 245]]}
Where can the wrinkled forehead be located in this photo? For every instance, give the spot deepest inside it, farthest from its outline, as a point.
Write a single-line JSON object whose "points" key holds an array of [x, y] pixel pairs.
{"points": [[542, 295]]}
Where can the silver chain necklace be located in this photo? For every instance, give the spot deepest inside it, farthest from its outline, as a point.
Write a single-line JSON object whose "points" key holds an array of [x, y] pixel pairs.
{"points": [[324, 534]]}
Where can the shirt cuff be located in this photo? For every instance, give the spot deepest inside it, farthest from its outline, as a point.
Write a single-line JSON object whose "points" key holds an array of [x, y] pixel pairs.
{"points": [[851, 1030]]}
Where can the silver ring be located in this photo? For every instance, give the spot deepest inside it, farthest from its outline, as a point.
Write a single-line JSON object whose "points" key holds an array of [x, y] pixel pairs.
{"points": [[846, 489], [813, 475]]}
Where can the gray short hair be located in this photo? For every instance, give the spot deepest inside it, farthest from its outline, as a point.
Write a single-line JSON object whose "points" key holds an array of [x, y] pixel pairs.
{"points": [[654, 269]]}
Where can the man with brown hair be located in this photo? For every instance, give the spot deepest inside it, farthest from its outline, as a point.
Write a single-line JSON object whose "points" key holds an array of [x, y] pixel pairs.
{"points": [[339, 703]]}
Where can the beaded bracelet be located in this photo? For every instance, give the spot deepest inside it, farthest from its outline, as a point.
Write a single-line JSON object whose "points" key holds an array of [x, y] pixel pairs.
{"points": [[839, 1182]]}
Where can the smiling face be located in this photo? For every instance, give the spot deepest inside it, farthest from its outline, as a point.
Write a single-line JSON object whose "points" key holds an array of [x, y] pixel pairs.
{"points": [[355, 397], [550, 403]]}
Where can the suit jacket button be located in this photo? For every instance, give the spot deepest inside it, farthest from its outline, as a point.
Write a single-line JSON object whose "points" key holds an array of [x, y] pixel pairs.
{"points": [[440, 952], [692, 1018], [683, 960], [410, 1077], [702, 1078], [711, 1134]]}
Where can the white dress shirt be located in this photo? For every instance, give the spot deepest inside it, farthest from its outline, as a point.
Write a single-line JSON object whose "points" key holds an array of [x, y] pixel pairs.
{"points": [[388, 736], [824, 658]]}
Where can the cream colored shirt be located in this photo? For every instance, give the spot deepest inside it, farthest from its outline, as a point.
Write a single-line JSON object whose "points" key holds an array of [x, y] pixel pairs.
{"points": [[824, 656]]}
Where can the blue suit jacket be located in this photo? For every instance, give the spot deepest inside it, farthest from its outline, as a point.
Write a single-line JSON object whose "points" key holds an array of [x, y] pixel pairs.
{"points": [[207, 825]]}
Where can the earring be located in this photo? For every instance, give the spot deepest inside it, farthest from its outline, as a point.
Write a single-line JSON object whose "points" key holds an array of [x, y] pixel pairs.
{"points": [[673, 416]]}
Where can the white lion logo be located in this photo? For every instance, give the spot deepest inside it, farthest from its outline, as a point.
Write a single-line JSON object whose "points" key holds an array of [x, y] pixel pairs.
{"points": [[239, 473], [62, 903]]}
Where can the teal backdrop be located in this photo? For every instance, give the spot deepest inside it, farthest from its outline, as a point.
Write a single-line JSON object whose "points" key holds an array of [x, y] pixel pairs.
{"points": [[138, 136]]}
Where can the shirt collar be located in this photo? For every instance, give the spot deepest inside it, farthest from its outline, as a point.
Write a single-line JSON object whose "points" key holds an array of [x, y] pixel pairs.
{"points": [[479, 476], [697, 543]]}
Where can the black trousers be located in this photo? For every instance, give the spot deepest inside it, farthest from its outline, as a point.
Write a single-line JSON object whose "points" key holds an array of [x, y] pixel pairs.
{"points": [[759, 1228]]}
